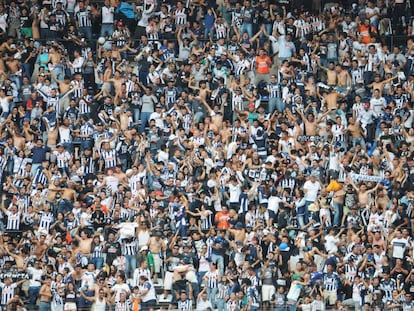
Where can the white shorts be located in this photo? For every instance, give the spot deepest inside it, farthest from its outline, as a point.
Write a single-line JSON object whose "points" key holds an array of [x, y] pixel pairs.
{"points": [[267, 292], [330, 296], [168, 281], [70, 306], [157, 262]]}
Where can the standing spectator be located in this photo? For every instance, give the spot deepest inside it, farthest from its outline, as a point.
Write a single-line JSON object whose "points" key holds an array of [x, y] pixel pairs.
{"points": [[83, 20]]}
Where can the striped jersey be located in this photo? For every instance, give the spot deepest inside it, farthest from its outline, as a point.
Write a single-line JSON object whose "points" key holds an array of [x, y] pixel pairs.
{"points": [[87, 129], [185, 305], [350, 272], [109, 157], [237, 101], [180, 16], [223, 290], [121, 37], [23, 173], [62, 159], [221, 31], [78, 91], [83, 17], [171, 95], [123, 306], [274, 90], [129, 248], [7, 293], [46, 219], [241, 65], [338, 132], [212, 279], [331, 281], [88, 164], [84, 107], [388, 287], [97, 251], [13, 221]]}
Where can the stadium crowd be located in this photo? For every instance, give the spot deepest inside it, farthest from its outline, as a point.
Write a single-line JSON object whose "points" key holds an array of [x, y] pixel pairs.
{"points": [[206, 155]]}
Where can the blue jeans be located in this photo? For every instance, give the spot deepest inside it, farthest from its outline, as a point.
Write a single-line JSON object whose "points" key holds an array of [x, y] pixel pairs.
{"points": [[337, 208], [219, 260], [107, 30], [87, 31], [26, 69], [136, 114], [86, 144], [291, 305], [85, 304], [359, 141], [200, 276], [17, 80], [98, 262], [131, 264], [124, 164], [208, 33], [65, 206], [212, 293], [33, 295], [35, 166], [301, 220], [247, 28], [307, 203], [142, 76], [198, 116], [275, 103], [221, 304], [44, 306], [59, 72], [144, 120]]}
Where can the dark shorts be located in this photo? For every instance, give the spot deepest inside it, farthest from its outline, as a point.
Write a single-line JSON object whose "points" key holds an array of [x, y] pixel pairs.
{"points": [[148, 304]]}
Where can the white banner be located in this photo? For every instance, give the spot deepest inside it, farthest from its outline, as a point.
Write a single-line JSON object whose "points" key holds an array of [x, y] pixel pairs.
{"points": [[359, 177]]}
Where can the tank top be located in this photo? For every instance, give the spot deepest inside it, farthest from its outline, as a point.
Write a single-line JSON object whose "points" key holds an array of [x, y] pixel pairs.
{"points": [[99, 305]]}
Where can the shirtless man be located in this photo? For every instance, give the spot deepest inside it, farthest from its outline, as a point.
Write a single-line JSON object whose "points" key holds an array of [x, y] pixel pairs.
{"points": [[363, 194], [117, 80], [40, 246], [331, 74], [382, 199], [238, 232], [46, 294], [55, 58], [52, 133], [311, 125], [5, 47], [110, 181], [52, 191], [216, 115], [156, 244], [331, 101], [122, 177], [20, 259], [378, 240], [84, 243], [354, 129], [344, 79], [378, 84], [14, 66], [202, 88], [18, 140], [69, 196], [125, 119]]}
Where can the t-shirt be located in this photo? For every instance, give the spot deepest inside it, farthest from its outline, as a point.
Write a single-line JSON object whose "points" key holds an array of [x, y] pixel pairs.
{"points": [[398, 247], [312, 189], [330, 243]]}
